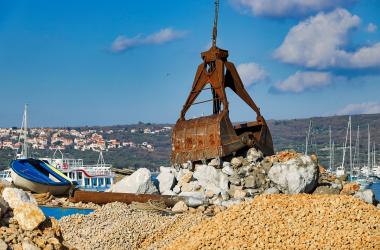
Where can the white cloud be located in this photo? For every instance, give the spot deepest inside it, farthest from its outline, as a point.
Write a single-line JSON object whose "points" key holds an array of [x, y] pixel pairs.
{"points": [[251, 73], [306, 80], [371, 27], [122, 43], [360, 108], [288, 8], [318, 43]]}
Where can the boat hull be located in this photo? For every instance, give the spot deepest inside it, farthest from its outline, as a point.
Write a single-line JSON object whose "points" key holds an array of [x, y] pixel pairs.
{"points": [[35, 187]]}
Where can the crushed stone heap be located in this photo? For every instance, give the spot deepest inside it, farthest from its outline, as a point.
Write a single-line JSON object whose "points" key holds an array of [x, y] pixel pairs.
{"points": [[288, 222], [118, 226]]}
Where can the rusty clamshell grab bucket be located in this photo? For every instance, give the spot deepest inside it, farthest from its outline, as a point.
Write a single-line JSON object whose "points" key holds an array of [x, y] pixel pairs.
{"points": [[215, 136]]}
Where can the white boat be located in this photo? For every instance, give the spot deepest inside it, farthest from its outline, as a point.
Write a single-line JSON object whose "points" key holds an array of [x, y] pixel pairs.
{"points": [[97, 177]]}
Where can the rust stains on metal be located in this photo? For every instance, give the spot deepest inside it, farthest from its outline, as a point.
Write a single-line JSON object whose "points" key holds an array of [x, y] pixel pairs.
{"points": [[215, 135]]}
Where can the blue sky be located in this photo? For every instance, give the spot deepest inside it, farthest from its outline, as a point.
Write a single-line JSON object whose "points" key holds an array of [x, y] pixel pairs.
{"points": [[117, 62]]}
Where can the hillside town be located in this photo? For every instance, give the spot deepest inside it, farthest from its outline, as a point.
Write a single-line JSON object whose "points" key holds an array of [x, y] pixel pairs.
{"points": [[95, 139]]}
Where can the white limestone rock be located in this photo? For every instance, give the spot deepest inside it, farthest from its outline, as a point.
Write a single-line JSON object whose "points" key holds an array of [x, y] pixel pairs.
{"points": [[180, 207], [366, 195], [15, 197], [166, 180], [298, 175], [206, 174], [228, 170], [138, 183]]}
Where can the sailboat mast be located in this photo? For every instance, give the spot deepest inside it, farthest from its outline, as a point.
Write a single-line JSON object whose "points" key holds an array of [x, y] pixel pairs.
{"points": [[345, 145], [24, 128], [369, 152], [333, 154], [307, 138], [330, 147], [349, 121]]}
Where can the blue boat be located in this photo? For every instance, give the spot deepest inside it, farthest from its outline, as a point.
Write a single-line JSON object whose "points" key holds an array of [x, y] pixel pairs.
{"points": [[39, 177]]}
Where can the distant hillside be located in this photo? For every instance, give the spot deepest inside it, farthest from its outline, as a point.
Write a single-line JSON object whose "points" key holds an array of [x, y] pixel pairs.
{"points": [[287, 134]]}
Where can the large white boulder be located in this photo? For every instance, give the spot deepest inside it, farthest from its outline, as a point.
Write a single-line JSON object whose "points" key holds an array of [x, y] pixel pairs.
{"points": [[297, 175], [15, 197], [206, 174], [166, 180], [138, 183], [366, 195]]}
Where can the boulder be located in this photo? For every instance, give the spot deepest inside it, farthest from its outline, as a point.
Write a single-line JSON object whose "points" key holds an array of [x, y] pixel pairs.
{"points": [[234, 179], [228, 170], [250, 182], [169, 192], [166, 181], [253, 155], [28, 215], [15, 197], [3, 245], [198, 195], [271, 190], [239, 194], [233, 188], [4, 184], [3, 207], [191, 186], [187, 165], [206, 174], [350, 188], [212, 189], [223, 182], [185, 178], [180, 207], [27, 245], [237, 162], [297, 175], [366, 196], [138, 183], [215, 162], [177, 189], [326, 190]]}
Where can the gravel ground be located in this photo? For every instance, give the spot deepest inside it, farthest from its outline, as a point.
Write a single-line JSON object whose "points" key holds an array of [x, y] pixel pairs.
{"points": [[288, 222], [117, 226]]}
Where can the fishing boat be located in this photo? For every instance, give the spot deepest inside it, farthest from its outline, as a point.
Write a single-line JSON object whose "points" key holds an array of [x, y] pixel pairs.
{"points": [[33, 174], [39, 177]]}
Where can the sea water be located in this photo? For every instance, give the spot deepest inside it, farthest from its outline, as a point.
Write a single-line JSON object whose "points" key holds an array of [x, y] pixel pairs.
{"points": [[375, 186], [59, 212]]}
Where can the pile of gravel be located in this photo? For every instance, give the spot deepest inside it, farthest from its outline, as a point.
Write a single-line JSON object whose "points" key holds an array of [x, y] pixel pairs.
{"points": [[288, 221], [118, 226]]}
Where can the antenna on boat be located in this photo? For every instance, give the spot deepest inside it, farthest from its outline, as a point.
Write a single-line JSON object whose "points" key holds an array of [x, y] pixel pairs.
{"points": [[215, 28], [101, 162]]}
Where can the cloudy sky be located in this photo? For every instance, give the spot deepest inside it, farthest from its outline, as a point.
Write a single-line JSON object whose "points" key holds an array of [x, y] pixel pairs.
{"points": [[117, 62]]}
